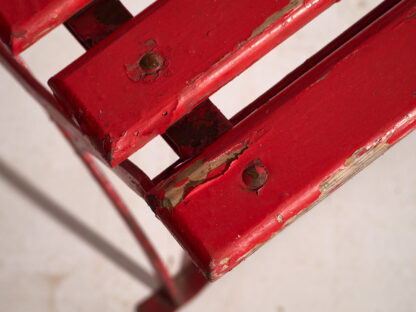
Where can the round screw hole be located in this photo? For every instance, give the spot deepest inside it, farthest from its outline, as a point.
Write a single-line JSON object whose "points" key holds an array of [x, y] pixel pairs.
{"points": [[255, 176], [151, 62]]}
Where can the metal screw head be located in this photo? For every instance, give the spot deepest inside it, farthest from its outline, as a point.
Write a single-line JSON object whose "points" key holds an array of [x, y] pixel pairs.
{"points": [[255, 176], [151, 62]]}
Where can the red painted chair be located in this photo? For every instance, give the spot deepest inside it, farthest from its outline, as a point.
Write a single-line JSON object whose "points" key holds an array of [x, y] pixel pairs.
{"points": [[239, 181]]}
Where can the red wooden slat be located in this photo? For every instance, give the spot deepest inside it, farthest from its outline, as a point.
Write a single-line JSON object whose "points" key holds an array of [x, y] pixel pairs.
{"points": [[196, 130], [23, 22], [153, 71], [296, 148], [190, 134], [95, 22]]}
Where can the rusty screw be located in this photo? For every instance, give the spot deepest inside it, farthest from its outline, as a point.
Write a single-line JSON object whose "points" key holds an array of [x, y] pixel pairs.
{"points": [[151, 62], [255, 176]]}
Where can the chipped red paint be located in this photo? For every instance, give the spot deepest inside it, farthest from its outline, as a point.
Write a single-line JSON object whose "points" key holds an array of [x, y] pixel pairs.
{"points": [[310, 136], [202, 48], [23, 22]]}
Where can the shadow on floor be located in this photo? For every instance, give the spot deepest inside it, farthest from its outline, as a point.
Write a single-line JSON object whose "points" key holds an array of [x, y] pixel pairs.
{"points": [[75, 226]]}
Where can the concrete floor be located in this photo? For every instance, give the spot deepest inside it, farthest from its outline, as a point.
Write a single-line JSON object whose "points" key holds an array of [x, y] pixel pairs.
{"points": [[63, 248]]}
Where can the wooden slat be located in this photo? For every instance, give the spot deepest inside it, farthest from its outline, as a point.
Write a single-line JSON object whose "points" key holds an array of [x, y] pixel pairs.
{"points": [[168, 59], [95, 22], [23, 22]]}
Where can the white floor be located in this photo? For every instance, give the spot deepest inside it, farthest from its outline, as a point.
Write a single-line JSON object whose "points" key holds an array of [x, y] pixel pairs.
{"points": [[63, 248]]}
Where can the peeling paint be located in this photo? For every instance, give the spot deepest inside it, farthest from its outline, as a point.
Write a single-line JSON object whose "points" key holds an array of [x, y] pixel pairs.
{"points": [[217, 270], [293, 4], [323, 77], [197, 174], [352, 165], [250, 252], [178, 186], [320, 79], [355, 163], [299, 214], [361, 158]]}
